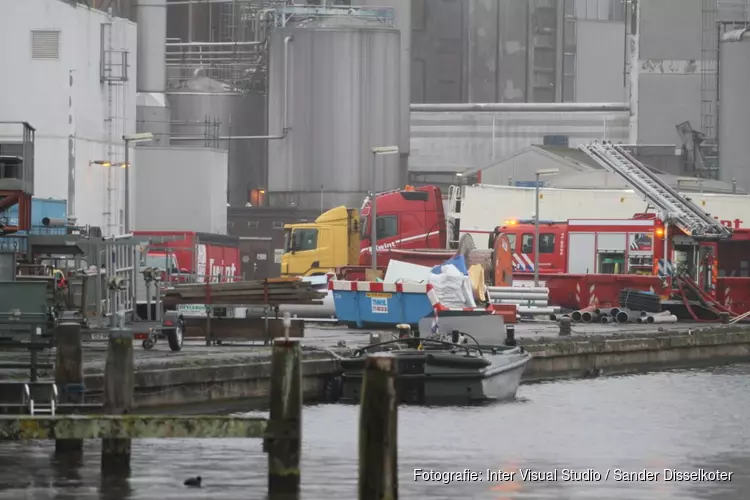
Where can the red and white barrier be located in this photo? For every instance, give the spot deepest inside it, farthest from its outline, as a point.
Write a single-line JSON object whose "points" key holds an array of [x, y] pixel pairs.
{"points": [[375, 287], [371, 286]]}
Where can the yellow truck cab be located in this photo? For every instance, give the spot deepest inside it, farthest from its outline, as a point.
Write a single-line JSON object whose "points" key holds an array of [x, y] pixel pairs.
{"points": [[314, 248]]}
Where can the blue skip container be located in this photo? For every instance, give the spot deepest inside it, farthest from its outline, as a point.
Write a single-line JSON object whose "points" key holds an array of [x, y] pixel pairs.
{"points": [[364, 303]]}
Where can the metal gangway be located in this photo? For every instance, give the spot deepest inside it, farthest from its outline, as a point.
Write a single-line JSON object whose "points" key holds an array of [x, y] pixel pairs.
{"points": [[675, 208]]}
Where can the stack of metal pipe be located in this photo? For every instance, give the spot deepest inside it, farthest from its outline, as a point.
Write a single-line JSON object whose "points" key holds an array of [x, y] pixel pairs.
{"points": [[660, 317], [619, 315], [530, 301]]}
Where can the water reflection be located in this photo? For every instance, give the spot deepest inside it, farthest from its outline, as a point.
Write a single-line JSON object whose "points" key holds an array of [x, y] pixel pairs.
{"points": [[66, 467], [677, 420]]}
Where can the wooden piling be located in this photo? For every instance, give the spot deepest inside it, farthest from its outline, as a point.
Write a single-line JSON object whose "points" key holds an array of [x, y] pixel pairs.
{"points": [[118, 397], [284, 432], [69, 375], [378, 437]]}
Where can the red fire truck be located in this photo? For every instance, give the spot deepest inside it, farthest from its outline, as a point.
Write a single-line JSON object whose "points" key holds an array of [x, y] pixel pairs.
{"points": [[587, 261]]}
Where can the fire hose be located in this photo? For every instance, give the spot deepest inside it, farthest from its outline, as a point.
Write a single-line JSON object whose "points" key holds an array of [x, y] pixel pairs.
{"points": [[703, 300]]}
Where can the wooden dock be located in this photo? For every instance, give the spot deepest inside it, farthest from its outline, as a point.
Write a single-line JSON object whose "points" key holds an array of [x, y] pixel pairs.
{"points": [[281, 433]]}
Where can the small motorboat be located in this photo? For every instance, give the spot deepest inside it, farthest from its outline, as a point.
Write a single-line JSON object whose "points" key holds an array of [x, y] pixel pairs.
{"points": [[432, 371]]}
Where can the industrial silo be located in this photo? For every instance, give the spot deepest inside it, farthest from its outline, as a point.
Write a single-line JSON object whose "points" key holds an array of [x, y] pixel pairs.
{"points": [[403, 22], [734, 108], [341, 79], [205, 112]]}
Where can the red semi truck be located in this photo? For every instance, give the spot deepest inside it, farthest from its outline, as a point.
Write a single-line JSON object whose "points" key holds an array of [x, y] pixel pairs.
{"points": [[407, 219]]}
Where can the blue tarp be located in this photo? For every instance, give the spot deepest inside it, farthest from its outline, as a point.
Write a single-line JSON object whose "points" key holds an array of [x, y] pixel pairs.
{"points": [[457, 261]]}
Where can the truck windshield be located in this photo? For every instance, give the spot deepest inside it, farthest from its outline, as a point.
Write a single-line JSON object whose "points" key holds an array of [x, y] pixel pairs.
{"points": [[364, 228]]}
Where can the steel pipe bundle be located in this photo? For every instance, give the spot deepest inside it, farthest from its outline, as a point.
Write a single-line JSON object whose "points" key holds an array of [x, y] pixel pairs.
{"points": [[589, 316], [639, 301], [577, 316], [538, 311], [627, 316], [522, 302], [529, 300], [520, 295], [665, 318], [513, 289]]}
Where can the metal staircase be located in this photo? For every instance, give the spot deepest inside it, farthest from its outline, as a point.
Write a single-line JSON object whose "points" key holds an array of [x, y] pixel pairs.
{"points": [[673, 207]]}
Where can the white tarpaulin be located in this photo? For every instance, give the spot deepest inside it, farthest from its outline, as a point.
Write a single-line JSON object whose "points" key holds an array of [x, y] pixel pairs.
{"points": [[452, 288], [399, 271]]}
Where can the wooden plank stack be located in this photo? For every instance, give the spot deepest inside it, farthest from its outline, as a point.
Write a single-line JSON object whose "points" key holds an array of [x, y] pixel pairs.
{"points": [[273, 291]]}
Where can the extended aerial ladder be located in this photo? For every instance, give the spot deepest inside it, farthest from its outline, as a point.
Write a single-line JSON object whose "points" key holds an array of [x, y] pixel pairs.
{"points": [[675, 208]]}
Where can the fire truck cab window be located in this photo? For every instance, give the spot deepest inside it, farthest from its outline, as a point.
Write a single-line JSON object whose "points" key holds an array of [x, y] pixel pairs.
{"points": [[304, 239], [512, 241], [527, 243], [547, 243]]}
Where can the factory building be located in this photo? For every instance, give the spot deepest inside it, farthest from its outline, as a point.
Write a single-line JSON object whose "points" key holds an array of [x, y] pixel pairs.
{"points": [[69, 72]]}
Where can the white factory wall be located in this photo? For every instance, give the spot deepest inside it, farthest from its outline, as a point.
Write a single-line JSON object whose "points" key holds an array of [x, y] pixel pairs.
{"points": [[180, 189], [63, 96]]}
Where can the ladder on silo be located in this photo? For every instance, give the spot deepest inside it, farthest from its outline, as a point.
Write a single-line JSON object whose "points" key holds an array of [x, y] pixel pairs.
{"points": [[673, 207]]}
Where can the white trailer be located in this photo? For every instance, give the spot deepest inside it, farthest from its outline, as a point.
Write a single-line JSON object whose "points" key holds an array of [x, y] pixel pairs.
{"points": [[479, 209]]}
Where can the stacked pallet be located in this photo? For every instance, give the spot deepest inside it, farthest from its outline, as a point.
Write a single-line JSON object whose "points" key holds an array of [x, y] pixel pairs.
{"points": [[271, 291], [637, 300]]}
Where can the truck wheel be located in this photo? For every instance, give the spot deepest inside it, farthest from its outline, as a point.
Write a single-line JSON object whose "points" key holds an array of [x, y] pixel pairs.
{"points": [[175, 336]]}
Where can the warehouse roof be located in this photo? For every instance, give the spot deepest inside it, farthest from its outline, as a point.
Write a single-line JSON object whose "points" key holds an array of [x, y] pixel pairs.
{"points": [[579, 171]]}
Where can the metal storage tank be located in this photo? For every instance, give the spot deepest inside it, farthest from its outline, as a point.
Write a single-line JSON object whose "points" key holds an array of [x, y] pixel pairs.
{"points": [[228, 114], [343, 99], [734, 108], [403, 22]]}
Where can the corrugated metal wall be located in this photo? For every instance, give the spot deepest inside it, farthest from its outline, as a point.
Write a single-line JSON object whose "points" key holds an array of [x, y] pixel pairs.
{"points": [[456, 141]]}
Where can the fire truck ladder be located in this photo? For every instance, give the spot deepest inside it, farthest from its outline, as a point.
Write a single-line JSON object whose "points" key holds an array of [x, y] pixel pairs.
{"points": [[673, 207]]}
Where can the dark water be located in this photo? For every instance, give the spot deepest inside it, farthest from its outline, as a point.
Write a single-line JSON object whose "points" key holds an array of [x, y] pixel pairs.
{"points": [[687, 420]]}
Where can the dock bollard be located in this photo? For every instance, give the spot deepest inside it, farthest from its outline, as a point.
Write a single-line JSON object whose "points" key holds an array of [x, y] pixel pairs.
{"points": [[119, 381], [510, 336], [69, 374], [284, 433], [565, 326], [724, 317], [378, 429]]}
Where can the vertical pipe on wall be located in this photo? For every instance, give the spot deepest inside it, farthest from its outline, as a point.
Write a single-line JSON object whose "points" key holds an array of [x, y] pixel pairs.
{"points": [[71, 151], [632, 65]]}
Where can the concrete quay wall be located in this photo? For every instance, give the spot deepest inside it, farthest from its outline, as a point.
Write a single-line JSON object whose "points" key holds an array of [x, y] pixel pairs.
{"points": [[570, 357], [219, 383]]}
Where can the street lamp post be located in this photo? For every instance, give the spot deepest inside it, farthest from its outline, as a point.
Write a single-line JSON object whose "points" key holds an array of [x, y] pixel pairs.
{"points": [[539, 173], [385, 150], [135, 138]]}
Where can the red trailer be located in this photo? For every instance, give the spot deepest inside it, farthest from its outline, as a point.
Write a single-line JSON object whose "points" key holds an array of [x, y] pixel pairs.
{"points": [[192, 256], [186, 257]]}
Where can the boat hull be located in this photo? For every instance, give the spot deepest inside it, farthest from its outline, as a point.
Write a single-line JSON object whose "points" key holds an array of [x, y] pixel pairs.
{"points": [[428, 379]]}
